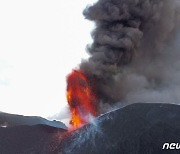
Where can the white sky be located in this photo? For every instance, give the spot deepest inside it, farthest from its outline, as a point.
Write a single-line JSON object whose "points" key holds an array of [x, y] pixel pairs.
{"points": [[40, 42]]}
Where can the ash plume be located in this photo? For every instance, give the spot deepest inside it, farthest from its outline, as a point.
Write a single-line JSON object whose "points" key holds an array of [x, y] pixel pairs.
{"points": [[135, 53]]}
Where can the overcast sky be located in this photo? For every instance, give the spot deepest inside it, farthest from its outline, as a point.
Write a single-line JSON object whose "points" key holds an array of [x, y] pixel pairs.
{"points": [[40, 42]]}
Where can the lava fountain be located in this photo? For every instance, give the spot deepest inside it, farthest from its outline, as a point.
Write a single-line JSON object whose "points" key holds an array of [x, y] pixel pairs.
{"points": [[81, 99]]}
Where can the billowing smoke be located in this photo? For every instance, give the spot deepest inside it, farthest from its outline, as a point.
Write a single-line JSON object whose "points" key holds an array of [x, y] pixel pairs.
{"points": [[136, 50]]}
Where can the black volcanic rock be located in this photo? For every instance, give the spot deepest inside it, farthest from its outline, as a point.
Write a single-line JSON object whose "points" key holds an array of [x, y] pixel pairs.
{"points": [[15, 120], [134, 129]]}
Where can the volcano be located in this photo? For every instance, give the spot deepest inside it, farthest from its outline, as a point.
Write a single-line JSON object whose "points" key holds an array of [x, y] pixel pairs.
{"points": [[140, 128]]}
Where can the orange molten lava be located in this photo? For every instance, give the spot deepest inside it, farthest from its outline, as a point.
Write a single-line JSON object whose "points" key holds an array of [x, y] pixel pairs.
{"points": [[81, 99]]}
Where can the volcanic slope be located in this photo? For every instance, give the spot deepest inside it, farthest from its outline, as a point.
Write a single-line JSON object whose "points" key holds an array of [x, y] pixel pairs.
{"points": [[135, 129], [37, 139]]}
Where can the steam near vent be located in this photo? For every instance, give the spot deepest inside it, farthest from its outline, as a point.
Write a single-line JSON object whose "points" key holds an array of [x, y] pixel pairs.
{"points": [[135, 53]]}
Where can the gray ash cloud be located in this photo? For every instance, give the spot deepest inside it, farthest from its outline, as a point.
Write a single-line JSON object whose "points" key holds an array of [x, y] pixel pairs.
{"points": [[135, 53]]}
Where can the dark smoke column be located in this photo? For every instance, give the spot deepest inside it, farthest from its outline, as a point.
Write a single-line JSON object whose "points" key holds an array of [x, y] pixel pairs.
{"points": [[125, 29]]}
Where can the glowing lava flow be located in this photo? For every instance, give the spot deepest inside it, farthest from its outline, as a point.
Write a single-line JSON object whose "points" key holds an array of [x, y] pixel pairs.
{"points": [[81, 99]]}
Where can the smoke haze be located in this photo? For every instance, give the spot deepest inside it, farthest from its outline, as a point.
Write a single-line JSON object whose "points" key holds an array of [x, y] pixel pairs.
{"points": [[136, 51]]}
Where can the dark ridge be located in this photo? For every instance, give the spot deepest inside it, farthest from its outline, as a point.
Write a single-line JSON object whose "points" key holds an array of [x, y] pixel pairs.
{"points": [[12, 120]]}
